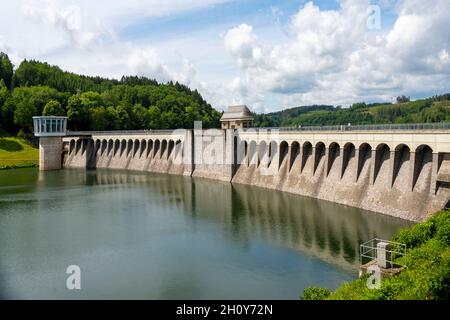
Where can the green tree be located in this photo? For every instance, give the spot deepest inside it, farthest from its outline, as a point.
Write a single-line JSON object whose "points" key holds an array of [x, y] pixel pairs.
{"points": [[91, 99], [53, 108], [123, 118], [113, 118], [359, 105], [77, 113], [7, 115], [37, 95], [154, 116], [139, 117], [4, 93], [23, 115], [169, 120], [6, 69], [403, 99], [100, 119]]}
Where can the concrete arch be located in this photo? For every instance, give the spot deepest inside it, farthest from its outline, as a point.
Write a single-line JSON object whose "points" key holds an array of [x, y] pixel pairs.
{"points": [[295, 152], [318, 154], [163, 147], [307, 153], [170, 148], [110, 146], [402, 156], [262, 148], [123, 146], [116, 147], [401, 146], [364, 156], [97, 146], [129, 147], [143, 147], [178, 149], [84, 143], [90, 147], [252, 153], [71, 146], [104, 146], [423, 158], [136, 145], [422, 147], [349, 145], [349, 153], [334, 151], [245, 147], [241, 151], [382, 157], [284, 150], [365, 145], [272, 152], [382, 146], [157, 146], [319, 144], [273, 148], [77, 146], [149, 148]]}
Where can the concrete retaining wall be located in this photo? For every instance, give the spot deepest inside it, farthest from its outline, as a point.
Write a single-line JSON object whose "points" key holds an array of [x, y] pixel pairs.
{"points": [[402, 174]]}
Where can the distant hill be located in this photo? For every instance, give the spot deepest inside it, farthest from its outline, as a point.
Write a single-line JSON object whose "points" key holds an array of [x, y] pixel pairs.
{"points": [[434, 109]]}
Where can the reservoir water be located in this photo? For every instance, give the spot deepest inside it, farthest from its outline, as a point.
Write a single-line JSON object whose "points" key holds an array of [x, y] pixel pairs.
{"points": [[138, 235]]}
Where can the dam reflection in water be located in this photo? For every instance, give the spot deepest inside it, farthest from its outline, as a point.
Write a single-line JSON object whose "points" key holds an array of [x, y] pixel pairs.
{"points": [[138, 235]]}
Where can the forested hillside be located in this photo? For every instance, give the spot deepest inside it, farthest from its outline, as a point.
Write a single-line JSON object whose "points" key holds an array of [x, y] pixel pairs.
{"points": [[95, 103], [435, 109]]}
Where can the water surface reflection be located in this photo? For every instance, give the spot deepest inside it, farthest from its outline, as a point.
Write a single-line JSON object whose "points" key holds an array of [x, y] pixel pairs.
{"points": [[138, 235]]}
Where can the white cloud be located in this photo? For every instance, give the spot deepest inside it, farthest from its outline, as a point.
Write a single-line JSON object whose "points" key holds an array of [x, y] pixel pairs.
{"points": [[241, 43], [83, 38], [68, 19], [319, 56], [145, 62], [333, 58]]}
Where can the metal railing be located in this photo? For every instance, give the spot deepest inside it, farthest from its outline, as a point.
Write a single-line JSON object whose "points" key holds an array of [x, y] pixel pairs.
{"points": [[368, 127], [118, 132], [397, 251]]}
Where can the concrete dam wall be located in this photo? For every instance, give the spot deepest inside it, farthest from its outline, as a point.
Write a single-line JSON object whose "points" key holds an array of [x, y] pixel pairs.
{"points": [[399, 173]]}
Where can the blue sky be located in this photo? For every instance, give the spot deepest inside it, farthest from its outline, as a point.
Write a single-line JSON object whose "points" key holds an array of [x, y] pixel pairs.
{"points": [[267, 54]]}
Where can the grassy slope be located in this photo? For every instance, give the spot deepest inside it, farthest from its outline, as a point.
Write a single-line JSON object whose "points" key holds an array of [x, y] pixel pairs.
{"points": [[427, 276], [17, 153]]}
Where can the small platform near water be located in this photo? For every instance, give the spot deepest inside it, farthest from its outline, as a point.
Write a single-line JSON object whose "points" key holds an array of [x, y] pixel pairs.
{"points": [[378, 255], [385, 272]]}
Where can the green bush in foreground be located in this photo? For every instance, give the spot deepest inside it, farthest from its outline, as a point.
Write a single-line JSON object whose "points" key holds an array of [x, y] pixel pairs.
{"points": [[315, 293], [426, 278]]}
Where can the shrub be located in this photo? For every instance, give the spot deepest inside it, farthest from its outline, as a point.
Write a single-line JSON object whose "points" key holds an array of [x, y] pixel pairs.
{"points": [[315, 293], [416, 235], [427, 276], [442, 222], [10, 145], [53, 108]]}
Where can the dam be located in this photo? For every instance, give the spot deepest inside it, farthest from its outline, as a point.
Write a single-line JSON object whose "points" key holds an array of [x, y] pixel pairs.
{"points": [[196, 214], [398, 170]]}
